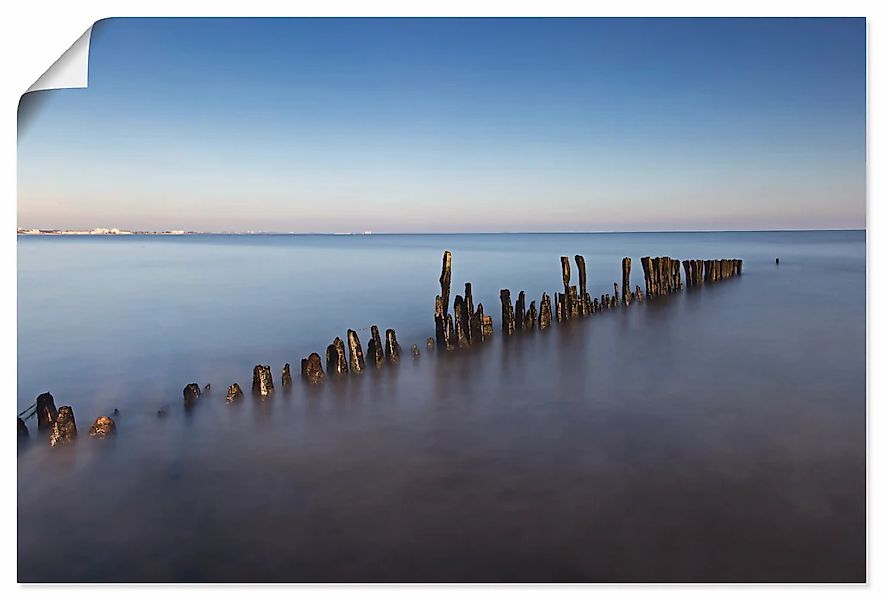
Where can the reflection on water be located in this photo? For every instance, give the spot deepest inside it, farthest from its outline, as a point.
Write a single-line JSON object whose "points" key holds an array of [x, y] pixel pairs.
{"points": [[716, 435]]}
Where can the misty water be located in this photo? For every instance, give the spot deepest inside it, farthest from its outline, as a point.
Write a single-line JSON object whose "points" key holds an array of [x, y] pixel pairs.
{"points": [[714, 435]]}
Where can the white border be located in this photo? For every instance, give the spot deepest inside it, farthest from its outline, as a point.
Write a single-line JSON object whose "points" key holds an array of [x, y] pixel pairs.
{"points": [[35, 34]]}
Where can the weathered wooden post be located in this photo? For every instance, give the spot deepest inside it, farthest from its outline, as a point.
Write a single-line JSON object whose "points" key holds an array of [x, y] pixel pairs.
{"points": [[487, 323], [477, 325], [530, 321], [470, 312], [507, 319], [286, 375], [46, 411], [581, 299], [545, 311], [639, 295], [103, 427], [375, 347], [393, 350], [519, 311], [357, 360], [234, 392], [22, 429], [443, 322], [312, 368], [191, 393], [647, 267], [739, 266], [63, 429], [626, 284], [335, 358], [565, 299], [461, 318], [615, 293], [262, 380]]}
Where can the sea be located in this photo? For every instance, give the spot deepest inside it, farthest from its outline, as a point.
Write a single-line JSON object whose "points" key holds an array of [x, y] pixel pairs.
{"points": [[717, 434]]}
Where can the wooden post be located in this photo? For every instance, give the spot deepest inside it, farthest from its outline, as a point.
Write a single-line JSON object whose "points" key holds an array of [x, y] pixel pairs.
{"points": [[581, 298], [63, 429], [262, 380], [375, 347], [191, 394], [626, 284], [286, 376], [393, 350], [312, 368], [46, 411], [461, 319], [445, 280], [530, 320], [470, 312], [234, 393], [545, 311], [615, 293], [565, 276], [357, 360], [478, 324], [519, 311], [335, 358], [639, 295], [507, 320]]}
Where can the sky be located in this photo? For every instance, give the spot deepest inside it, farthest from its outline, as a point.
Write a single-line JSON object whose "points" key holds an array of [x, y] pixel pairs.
{"points": [[453, 125]]}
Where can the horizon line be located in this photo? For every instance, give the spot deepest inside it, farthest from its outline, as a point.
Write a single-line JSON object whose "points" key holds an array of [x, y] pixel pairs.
{"points": [[368, 232]]}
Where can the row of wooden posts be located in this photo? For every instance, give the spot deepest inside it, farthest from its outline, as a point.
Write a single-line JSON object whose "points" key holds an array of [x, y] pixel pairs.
{"points": [[468, 325], [662, 276]]}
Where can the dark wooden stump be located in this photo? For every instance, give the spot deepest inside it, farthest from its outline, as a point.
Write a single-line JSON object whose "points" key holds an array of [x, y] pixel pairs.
{"points": [[507, 320], [234, 392], [375, 347], [393, 350], [103, 427], [545, 319], [191, 393], [312, 368], [262, 380], [46, 411], [357, 360], [530, 320], [63, 429], [519, 311], [335, 358]]}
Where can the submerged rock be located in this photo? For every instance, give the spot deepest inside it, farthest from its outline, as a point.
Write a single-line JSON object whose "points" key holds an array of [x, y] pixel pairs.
{"points": [[162, 413], [234, 392], [312, 368], [191, 393], [103, 427], [64, 427], [262, 380], [46, 411]]}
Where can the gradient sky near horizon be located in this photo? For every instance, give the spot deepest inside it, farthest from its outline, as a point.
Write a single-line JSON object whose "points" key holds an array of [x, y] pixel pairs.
{"points": [[440, 125]]}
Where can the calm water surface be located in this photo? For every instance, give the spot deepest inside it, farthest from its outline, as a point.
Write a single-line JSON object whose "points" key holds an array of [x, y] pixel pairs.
{"points": [[716, 435]]}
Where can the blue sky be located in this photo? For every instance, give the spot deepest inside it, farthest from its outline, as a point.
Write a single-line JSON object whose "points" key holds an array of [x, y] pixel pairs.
{"points": [[337, 125]]}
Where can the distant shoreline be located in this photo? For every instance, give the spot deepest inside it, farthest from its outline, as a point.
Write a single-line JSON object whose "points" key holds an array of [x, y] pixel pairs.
{"points": [[120, 233]]}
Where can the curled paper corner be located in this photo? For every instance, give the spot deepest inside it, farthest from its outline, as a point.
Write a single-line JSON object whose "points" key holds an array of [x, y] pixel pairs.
{"points": [[71, 70]]}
